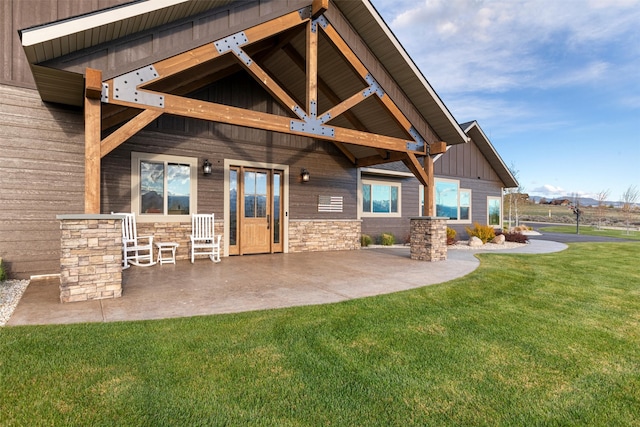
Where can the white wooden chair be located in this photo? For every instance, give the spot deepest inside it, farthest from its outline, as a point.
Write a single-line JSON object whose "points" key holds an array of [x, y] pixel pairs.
{"points": [[204, 241], [136, 250]]}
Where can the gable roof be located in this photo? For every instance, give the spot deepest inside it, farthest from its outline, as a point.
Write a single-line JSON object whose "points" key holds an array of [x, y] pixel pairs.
{"points": [[478, 136], [45, 43]]}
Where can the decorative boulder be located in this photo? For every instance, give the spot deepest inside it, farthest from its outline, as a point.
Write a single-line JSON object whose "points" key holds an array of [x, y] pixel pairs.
{"points": [[475, 242], [499, 239]]}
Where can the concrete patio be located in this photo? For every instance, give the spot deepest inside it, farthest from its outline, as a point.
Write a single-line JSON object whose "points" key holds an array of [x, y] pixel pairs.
{"points": [[249, 283]]}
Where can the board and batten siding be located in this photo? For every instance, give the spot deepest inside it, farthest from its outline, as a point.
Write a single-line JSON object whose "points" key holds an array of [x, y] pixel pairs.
{"points": [[41, 175], [465, 161]]}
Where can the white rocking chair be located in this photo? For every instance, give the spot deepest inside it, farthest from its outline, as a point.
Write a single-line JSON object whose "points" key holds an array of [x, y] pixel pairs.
{"points": [[204, 241], [136, 250]]}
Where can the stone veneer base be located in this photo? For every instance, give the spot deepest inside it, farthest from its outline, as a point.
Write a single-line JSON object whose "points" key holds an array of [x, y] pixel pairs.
{"points": [[324, 235], [429, 238], [90, 257]]}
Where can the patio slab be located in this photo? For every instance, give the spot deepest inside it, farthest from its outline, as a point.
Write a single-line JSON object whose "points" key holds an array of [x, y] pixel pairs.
{"points": [[248, 283]]}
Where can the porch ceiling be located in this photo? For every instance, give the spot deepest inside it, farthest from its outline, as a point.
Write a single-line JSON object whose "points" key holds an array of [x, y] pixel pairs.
{"points": [[282, 56]]}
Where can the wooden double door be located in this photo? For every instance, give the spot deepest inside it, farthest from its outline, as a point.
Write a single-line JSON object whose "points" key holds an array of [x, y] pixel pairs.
{"points": [[255, 210]]}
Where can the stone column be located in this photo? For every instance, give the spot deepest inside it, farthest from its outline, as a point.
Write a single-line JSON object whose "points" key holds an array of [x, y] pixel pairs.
{"points": [[429, 238], [90, 257]]}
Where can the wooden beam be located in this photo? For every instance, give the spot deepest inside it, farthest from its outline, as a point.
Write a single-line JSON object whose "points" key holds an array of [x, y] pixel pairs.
{"points": [[392, 156], [93, 84], [270, 85], [323, 87], [318, 7], [312, 70], [178, 63], [343, 48], [204, 110], [344, 150], [438, 147], [359, 68], [429, 189], [126, 131], [92, 149], [415, 167]]}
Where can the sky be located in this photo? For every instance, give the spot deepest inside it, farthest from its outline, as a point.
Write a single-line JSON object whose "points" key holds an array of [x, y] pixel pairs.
{"points": [[555, 85]]}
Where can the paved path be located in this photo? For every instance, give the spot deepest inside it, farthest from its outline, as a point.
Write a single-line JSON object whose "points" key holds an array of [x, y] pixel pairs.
{"points": [[253, 283]]}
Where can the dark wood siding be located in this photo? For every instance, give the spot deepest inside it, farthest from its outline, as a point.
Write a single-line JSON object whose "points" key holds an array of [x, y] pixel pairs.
{"points": [[41, 175]]}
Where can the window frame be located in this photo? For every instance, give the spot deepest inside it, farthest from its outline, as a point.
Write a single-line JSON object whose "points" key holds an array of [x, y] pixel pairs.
{"points": [[136, 196], [372, 182], [499, 200], [460, 190]]}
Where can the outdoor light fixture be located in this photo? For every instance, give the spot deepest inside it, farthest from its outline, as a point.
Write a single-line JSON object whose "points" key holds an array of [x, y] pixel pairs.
{"points": [[206, 167], [304, 175]]}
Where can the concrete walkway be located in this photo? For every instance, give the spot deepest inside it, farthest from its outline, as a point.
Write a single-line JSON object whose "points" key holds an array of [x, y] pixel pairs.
{"points": [[255, 282]]}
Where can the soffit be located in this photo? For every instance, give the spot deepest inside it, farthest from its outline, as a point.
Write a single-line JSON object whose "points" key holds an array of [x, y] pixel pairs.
{"points": [[45, 42]]}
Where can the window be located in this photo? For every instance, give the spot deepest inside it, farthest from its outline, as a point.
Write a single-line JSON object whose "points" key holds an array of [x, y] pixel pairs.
{"points": [[163, 187], [494, 211], [380, 198], [452, 201]]}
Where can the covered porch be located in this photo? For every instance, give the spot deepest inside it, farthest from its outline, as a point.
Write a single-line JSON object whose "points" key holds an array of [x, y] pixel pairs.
{"points": [[239, 284]]}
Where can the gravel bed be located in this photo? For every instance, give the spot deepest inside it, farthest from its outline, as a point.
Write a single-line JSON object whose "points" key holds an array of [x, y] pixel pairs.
{"points": [[10, 293], [464, 246]]}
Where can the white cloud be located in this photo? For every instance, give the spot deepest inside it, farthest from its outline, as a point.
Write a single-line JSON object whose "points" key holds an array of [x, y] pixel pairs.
{"points": [[549, 190], [493, 46]]}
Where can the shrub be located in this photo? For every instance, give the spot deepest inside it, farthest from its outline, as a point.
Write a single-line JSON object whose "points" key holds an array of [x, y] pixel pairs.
{"points": [[365, 240], [486, 233], [3, 273], [451, 236], [516, 237], [387, 239]]}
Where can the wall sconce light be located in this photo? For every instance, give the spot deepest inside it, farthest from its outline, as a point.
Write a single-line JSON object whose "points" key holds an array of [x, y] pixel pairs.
{"points": [[206, 167], [304, 175]]}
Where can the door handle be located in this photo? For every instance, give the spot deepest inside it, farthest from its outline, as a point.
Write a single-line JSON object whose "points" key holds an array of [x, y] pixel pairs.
{"points": [[268, 221]]}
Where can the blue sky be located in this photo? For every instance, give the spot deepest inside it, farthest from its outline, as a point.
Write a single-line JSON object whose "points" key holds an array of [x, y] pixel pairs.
{"points": [[555, 85]]}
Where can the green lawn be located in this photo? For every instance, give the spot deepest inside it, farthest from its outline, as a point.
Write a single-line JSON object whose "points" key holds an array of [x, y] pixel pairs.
{"points": [[524, 340], [593, 231]]}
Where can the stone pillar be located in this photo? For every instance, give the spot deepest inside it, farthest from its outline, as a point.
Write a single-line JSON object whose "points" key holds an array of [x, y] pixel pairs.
{"points": [[90, 257], [429, 238]]}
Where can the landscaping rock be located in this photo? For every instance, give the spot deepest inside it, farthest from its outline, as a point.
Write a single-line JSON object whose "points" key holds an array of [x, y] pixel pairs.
{"points": [[499, 239], [475, 242]]}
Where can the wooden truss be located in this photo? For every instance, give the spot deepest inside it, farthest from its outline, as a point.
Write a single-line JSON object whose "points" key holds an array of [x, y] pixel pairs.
{"points": [[131, 90]]}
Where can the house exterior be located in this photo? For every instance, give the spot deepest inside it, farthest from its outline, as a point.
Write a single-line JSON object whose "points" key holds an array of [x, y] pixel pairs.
{"points": [[115, 106], [469, 182]]}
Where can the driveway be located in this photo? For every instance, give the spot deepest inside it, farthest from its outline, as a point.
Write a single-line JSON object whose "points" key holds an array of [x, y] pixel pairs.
{"points": [[567, 237]]}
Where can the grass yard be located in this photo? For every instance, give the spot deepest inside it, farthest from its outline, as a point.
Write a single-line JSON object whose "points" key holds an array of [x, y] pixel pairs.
{"points": [[593, 231], [524, 340]]}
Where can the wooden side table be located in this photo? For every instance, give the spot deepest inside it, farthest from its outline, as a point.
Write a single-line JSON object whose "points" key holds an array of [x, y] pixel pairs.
{"points": [[166, 252]]}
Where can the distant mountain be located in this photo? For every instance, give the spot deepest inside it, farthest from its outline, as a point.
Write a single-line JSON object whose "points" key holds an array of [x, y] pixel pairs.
{"points": [[584, 201]]}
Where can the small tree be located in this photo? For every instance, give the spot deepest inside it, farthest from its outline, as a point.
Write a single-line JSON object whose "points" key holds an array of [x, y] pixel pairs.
{"points": [[514, 195], [629, 199], [575, 207], [601, 209]]}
